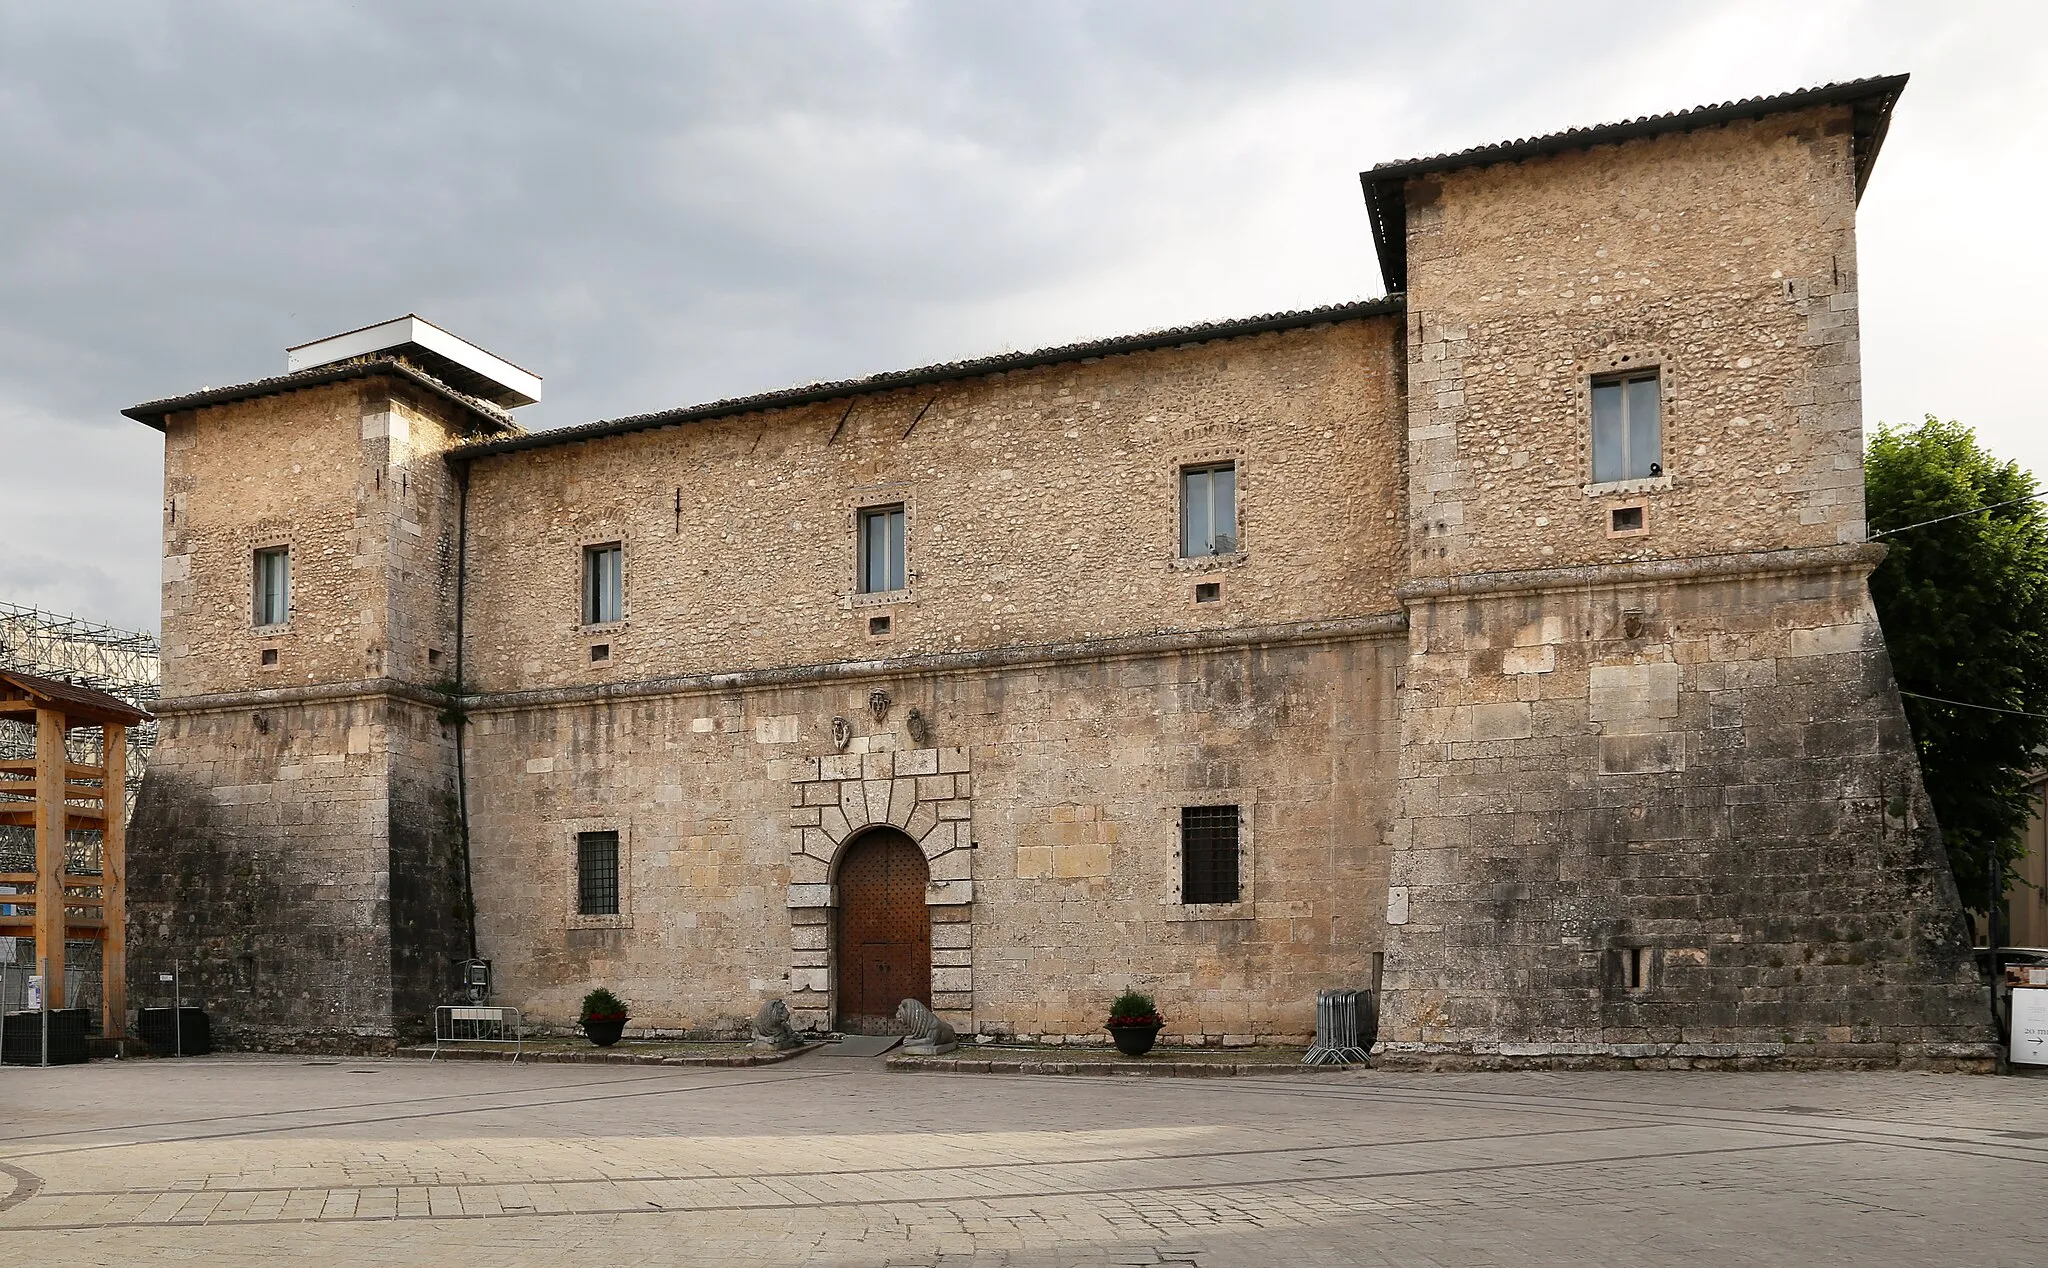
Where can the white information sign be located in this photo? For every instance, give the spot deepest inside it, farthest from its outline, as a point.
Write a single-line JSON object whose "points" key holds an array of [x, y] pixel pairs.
{"points": [[2029, 1026]]}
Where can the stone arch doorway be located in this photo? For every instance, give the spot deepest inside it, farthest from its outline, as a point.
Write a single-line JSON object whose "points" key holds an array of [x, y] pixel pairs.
{"points": [[885, 931]]}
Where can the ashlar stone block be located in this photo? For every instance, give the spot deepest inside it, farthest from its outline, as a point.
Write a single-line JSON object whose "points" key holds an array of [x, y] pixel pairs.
{"points": [[1633, 698], [1087, 858], [902, 801], [1529, 660], [853, 803], [1500, 721], [877, 792], [832, 820], [917, 761]]}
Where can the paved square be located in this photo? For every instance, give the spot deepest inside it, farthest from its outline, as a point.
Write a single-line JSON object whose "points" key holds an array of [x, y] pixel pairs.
{"points": [[236, 1160]]}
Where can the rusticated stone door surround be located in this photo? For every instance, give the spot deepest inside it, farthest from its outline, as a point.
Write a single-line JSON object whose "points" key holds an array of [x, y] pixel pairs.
{"points": [[927, 794]]}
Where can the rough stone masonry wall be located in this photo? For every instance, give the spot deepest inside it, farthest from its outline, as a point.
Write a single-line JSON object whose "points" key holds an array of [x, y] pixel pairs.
{"points": [[302, 860], [1075, 769], [1043, 507], [1620, 749], [348, 476], [1724, 256], [287, 471], [298, 830], [258, 860], [1705, 762]]}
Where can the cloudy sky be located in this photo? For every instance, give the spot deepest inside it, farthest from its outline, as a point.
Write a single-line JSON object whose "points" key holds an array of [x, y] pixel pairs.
{"points": [[656, 204]]}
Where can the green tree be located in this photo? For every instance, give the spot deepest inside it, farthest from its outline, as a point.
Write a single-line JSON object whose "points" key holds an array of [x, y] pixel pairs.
{"points": [[1964, 605]]}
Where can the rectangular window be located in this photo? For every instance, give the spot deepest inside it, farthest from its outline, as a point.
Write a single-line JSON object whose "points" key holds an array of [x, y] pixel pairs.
{"points": [[881, 549], [604, 583], [1208, 510], [273, 585], [597, 873], [1628, 440], [1208, 854]]}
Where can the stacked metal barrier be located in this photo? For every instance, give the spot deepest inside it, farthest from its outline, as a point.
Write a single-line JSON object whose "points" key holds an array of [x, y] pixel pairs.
{"points": [[1346, 1022]]}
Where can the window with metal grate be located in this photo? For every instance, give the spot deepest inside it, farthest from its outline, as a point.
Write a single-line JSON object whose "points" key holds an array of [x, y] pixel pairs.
{"points": [[1208, 854], [597, 873]]}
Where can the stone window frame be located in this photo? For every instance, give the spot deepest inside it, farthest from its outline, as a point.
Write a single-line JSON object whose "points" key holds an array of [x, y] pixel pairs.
{"points": [[1188, 455], [1645, 959], [1625, 359], [1247, 855], [605, 538], [274, 539], [570, 830], [869, 498]]}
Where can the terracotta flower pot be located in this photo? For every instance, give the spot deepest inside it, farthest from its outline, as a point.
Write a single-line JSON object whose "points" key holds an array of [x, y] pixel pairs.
{"points": [[604, 1031], [1135, 1039]]}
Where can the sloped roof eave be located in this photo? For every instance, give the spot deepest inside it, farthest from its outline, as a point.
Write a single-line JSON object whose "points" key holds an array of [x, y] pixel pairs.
{"points": [[84, 702], [153, 413], [945, 372]]}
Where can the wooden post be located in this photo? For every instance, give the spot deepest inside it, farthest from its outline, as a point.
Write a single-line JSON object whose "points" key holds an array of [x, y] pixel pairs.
{"points": [[114, 882], [52, 762]]}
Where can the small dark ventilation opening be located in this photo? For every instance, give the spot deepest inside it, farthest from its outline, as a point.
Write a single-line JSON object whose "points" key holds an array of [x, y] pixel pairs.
{"points": [[1635, 967], [878, 624], [600, 651], [1209, 592], [433, 655], [269, 656], [1627, 519]]}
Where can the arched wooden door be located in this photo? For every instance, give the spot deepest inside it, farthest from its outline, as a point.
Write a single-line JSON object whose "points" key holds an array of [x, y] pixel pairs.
{"points": [[885, 932]]}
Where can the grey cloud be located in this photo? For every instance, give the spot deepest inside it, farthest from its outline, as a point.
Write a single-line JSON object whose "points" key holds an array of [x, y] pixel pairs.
{"points": [[652, 204]]}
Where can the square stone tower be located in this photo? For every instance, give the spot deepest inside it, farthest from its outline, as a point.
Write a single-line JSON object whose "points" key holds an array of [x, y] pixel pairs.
{"points": [[1658, 799], [300, 837]]}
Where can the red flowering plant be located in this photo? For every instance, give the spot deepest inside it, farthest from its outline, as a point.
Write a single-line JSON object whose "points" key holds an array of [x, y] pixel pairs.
{"points": [[1133, 1008], [602, 1005]]}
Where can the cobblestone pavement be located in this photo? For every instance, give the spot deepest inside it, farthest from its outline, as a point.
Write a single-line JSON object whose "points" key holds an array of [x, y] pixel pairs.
{"points": [[830, 1160]]}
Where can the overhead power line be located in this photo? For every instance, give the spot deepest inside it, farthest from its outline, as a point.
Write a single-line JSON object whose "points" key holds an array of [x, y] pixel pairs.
{"points": [[1964, 704], [2031, 497]]}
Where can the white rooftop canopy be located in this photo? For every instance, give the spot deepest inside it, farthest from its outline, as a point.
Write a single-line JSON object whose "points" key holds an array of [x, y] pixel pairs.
{"points": [[457, 362]]}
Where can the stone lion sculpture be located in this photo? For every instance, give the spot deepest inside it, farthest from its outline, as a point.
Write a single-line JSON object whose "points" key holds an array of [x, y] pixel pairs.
{"points": [[772, 1030], [928, 1035]]}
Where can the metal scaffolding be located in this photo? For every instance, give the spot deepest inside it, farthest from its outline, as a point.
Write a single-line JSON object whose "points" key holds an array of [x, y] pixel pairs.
{"points": [[126, 664]]}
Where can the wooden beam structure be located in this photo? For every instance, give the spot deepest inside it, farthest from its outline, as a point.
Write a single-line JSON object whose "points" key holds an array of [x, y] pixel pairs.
{"points": [[54, 795], [114, 883], [50, 825]]}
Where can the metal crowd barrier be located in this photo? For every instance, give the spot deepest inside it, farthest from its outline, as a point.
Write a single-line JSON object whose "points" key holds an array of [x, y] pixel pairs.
{"points": [[478, 1023], [1346, 1023]]}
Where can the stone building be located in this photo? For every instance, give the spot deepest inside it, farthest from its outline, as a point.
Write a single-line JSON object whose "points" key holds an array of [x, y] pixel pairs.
{"points": [[1503, 641]]}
